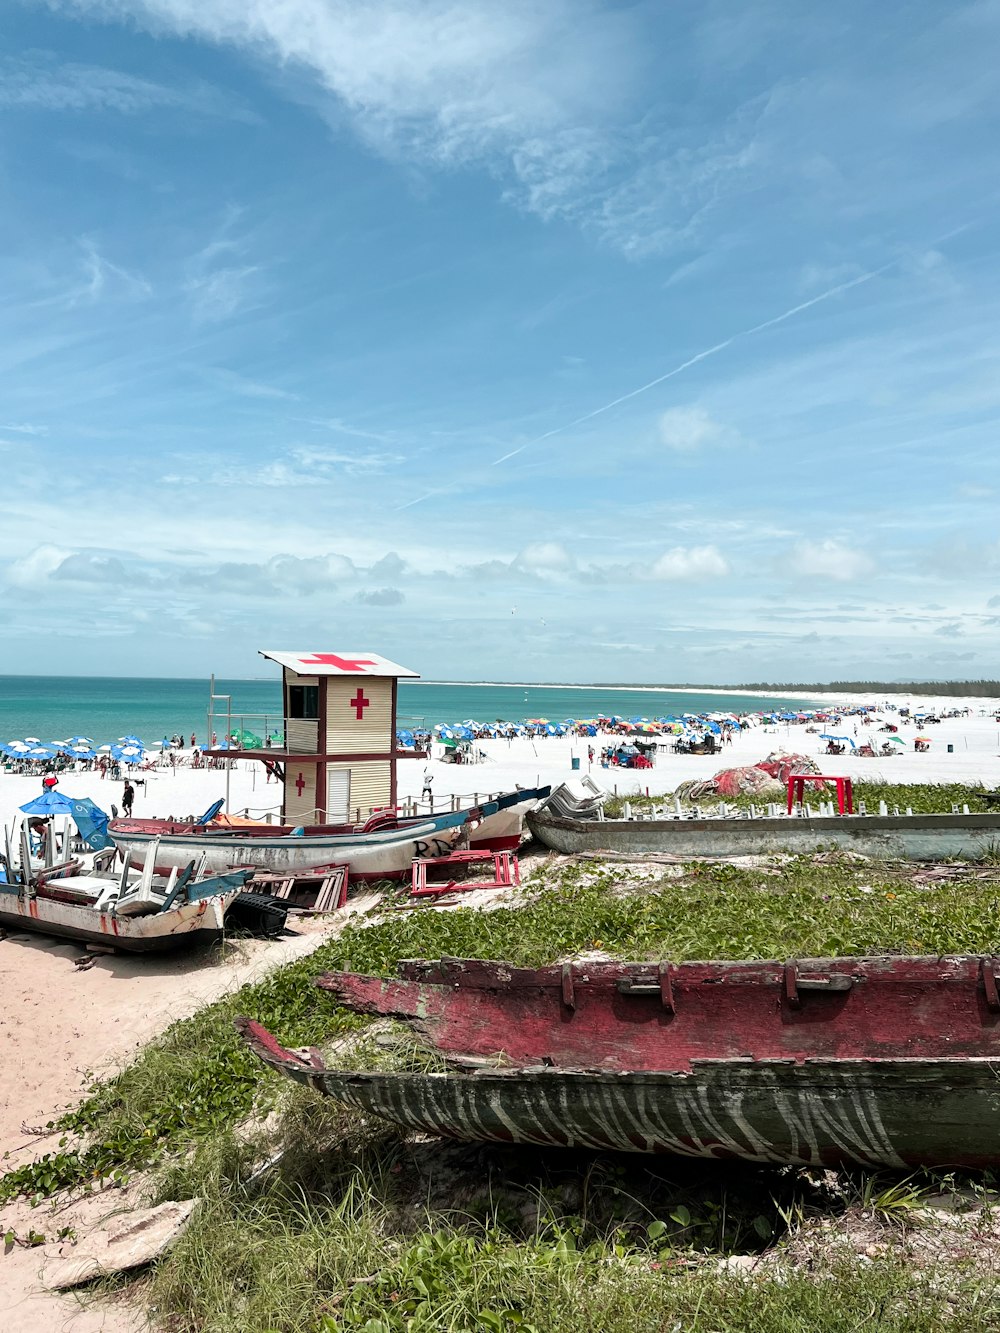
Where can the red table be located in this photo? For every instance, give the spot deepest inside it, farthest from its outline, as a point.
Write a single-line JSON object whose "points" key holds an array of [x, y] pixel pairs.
{"points": [[845, 790]]}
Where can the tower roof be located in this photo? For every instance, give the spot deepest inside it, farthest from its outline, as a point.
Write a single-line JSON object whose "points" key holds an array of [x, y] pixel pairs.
{"points": [[338, 664]]}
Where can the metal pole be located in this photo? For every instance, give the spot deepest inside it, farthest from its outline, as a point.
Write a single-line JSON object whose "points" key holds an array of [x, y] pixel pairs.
{"points": [[229, 762]]}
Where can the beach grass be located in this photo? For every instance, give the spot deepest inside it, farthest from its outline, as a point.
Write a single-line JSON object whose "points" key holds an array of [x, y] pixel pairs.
{"points": [[198, 1078], [354, 1226], [926, 798]]}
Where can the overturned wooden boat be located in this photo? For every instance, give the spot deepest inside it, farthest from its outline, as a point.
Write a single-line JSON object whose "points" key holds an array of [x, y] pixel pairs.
{"points": [[560, 825], [881, 1061]]}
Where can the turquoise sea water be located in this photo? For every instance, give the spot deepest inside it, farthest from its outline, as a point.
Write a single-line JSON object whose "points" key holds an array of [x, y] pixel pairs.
{"points": [[103, 708]]}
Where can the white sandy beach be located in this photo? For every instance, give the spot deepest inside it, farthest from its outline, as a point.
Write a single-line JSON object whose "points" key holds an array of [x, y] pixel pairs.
{"points": [[59, 1022], [527, 761]]}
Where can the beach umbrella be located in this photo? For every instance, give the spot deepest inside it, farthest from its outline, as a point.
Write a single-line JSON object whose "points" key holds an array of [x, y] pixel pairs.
{"points": [[81, 740], [897, 740], [128, 754], [33, 740], [17, 747], [92, 823], [51, 802], [81, 752], [39, 752]]}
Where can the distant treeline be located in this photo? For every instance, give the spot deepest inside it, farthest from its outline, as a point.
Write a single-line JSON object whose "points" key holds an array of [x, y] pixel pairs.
{"points": [[956, 688]]}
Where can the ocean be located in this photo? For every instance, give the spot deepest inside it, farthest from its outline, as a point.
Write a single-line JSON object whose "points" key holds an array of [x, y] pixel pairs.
{"points": [[104, 707]]}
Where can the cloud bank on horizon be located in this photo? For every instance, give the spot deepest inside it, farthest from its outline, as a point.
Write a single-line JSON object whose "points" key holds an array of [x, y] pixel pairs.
{"points": [[578, 341]]}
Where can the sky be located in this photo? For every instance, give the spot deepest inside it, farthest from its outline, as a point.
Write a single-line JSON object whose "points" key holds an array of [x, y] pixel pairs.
{"points": [[564, 341]]}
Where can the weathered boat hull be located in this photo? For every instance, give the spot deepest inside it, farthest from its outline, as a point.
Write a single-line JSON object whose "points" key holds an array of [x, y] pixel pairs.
{"points": [[663, 1017], [503, 830], [884, 1061], [380, 854], [891, 837], [898, 1113], [198, 922]]}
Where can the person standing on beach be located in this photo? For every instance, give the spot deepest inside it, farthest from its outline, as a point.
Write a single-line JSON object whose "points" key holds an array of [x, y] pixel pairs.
{"points": [[426, 791], [128, 799]]}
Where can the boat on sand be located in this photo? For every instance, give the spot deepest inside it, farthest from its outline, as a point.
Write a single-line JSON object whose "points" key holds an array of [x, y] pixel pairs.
{"points": [[384, 847], [121, 912], [883, 1061]]}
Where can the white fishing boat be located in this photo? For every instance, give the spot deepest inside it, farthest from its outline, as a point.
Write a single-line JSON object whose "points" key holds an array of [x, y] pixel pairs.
{"points": [[126, 912], [371, 852]]}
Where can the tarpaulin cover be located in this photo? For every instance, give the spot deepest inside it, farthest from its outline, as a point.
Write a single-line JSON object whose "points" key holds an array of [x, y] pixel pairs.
{"points": [[746, 781], [781, 765]]}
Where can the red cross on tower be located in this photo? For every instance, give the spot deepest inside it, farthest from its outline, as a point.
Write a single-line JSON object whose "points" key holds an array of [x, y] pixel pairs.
{"points": [[341, 663], [360, 703], [300, 784]]}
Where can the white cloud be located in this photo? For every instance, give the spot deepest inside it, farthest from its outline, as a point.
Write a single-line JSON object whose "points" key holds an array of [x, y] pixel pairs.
{"points": [[102, 277], [544, 560], [688, 563], [41, 83], [381, 597], [829, 559], [36, 568], [247, 388], [25, 428], [689, 429], [545, 97], [218, 295]]}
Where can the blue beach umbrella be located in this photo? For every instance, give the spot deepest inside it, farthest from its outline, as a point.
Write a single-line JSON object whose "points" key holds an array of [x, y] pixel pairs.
{"points": [[39, 752], [92, 823], [128, 754], [51, 802]]}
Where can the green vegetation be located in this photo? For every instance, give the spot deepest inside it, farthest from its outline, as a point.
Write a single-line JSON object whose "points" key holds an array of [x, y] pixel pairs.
{"points": [[355, 1226], [199, 1078], [952, 689], [926, 798]]}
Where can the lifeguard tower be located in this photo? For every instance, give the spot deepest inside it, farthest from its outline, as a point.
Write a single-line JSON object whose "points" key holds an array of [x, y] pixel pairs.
{"points": [[340, 754]]}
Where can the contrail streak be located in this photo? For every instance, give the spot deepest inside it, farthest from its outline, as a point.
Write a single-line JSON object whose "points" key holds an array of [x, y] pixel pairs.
{"points": [[699, 356], [677, 370]]}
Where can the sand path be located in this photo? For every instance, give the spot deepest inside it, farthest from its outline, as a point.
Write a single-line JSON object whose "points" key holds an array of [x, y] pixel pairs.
{"points": [[57, 1024]]}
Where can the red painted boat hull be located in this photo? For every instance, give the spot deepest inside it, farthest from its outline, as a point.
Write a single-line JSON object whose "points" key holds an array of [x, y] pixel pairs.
{"points": [[662, 1017], [882, 1061]]}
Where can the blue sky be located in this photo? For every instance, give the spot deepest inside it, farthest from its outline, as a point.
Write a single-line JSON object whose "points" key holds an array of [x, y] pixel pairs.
{"points": [[564, 341]]}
